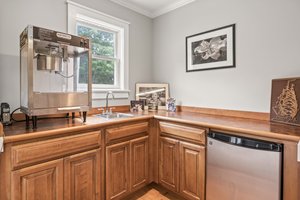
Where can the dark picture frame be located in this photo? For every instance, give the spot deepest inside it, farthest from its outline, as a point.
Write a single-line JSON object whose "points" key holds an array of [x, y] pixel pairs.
{"points": [[285, 101], [212, 49], [136, 106]]}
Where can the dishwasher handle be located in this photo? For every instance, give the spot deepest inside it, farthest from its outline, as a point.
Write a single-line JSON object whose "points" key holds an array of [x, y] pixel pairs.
{"points": [[246, 142]]}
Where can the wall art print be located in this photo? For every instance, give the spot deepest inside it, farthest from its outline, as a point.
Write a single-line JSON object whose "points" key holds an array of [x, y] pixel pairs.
{"points": [[285, 100], [154, 95], [137, 106], [211, 49]]}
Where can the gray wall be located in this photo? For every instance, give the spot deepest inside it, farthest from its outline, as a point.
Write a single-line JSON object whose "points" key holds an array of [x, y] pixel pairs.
{"points": [[15, 15], [267, 47]]}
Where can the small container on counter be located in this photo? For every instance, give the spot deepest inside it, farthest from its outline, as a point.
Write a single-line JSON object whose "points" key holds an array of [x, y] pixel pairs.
{"points": [[171, 104]]}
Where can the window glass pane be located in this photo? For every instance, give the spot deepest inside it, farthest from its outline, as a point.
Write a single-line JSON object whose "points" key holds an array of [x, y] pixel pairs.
{"points": [[103, 42], [83, 71], [103, 72]]}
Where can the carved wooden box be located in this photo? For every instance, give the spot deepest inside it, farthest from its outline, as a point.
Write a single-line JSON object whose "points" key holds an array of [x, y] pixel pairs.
{"points": [[285, 100]]}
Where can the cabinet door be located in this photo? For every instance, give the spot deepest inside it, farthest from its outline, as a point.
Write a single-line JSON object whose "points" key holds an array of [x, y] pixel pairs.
{"points": [[169, 163], [192, 171], [139, 162], [117, 170], [43, 181], [82, 176]]}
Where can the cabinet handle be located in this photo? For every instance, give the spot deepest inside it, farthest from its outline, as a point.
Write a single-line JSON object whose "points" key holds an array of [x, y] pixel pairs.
{"points": [[68, 108]]}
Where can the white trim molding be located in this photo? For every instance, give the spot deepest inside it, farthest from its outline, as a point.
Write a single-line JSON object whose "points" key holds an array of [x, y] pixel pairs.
{"points": [[155, 13], [133, 7], [171, 7], [88, 16], [118, 94], [96, 11]]}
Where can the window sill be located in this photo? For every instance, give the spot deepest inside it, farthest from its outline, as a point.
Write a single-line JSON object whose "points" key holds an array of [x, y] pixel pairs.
{"points": [[98, 94]]}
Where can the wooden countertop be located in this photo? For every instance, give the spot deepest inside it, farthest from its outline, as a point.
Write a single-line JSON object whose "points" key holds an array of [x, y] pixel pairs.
{"points": [[56, 126], [260, 128]]}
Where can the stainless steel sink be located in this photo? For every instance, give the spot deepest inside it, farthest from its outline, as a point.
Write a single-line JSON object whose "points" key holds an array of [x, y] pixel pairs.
{"points": [[114, 115]]}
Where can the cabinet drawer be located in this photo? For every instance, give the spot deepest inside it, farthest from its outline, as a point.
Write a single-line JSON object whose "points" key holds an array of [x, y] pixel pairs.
{"points": [[126, 131], [184, 132], [25, 154]]}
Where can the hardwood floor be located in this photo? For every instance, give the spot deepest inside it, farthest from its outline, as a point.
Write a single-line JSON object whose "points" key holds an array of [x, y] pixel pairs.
{"points": [[153, 192]]}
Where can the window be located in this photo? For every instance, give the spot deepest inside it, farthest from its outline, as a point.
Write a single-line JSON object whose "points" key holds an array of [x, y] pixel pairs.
{"points": [[109, 39], [105, 58]]}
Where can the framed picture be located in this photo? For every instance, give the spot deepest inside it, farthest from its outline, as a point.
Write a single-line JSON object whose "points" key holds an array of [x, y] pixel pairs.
{"points": [[136, 106], [154, 95], [285, 101], [211, 49]]}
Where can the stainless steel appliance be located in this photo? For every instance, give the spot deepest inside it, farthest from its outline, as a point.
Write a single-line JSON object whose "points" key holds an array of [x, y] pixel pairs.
{"points": [[241, 168], [55, 73]]}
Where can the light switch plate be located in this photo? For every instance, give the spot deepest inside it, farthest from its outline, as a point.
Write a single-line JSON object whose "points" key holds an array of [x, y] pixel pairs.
{"points": [[298, 151], [1, 144]]}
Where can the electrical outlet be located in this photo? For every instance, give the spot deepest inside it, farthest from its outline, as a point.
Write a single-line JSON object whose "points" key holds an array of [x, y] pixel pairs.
{"points": [[298, 151], [1, 145]]}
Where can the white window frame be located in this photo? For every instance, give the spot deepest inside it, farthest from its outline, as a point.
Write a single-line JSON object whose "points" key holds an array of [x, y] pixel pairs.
{"points": [[92, 18], [80, 20]]}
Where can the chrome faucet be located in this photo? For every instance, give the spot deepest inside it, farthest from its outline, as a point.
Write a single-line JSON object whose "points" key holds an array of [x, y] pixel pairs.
{"points": [[106, 107]]}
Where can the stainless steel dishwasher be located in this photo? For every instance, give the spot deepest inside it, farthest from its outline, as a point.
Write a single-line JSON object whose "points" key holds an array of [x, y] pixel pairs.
{"points": [[240, 168]]}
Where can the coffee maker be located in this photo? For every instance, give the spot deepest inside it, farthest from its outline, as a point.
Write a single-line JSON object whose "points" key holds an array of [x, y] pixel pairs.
{"points": [[55, 73]]}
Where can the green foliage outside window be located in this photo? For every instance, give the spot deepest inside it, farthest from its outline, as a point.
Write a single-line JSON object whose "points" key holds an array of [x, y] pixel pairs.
{"points": [[103, 44]]}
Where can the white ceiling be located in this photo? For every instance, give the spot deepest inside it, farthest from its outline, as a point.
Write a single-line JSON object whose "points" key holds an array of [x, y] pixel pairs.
{"points": [[152, 8]]}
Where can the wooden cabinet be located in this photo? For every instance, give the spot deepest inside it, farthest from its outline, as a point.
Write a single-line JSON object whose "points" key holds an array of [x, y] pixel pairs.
{"points": [[192, 171], [139, 162], [69, 177], [182, 160], [63, 164], [73, 178], [169, 163], [82, 176], [126, 167], [43, 181], [117, 170], [40, 151], [127, 159]]}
